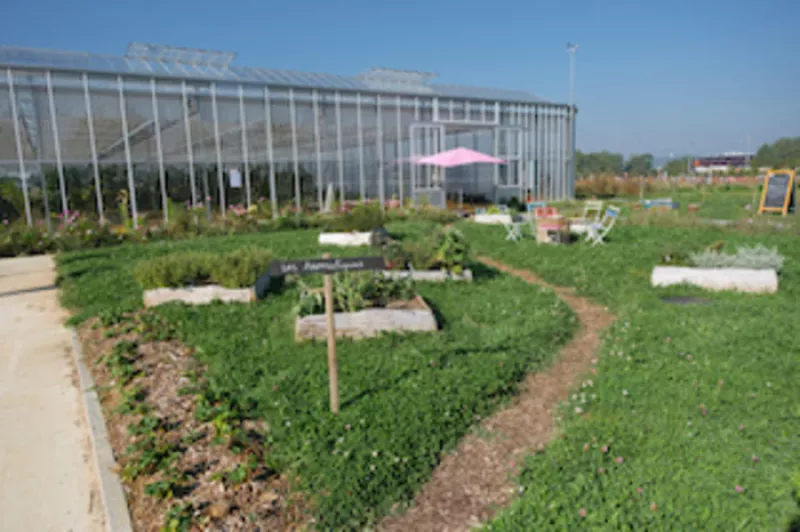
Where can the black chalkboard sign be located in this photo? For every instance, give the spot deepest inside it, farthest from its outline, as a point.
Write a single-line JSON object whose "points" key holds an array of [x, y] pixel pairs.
{"points": [[277, 269], [778, 194]]}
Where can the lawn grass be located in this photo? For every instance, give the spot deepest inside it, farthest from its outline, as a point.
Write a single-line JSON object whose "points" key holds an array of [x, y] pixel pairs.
{"points": [[405, 400], [700, 404]]}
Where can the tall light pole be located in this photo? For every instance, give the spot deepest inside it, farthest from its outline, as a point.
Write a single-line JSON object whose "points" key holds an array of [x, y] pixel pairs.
{"points": [[571, 49]]}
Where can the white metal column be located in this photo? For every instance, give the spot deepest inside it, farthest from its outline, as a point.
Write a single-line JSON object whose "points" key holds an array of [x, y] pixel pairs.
{"points": [[273, 194], [93, 149], [245, 152], [220, 169], [360, 148], [18, 141], [127, 144], [57, 144], [339, 152], [162, 178], [399, 157], [317, 149], [379, 142], [293, 122], [189, 151]]}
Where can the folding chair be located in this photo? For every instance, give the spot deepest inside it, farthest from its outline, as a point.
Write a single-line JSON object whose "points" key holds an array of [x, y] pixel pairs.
{"points": [[598, 230], [513, 232], [592, 206]]}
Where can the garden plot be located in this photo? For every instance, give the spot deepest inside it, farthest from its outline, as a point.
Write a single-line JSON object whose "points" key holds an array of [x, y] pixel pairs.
{"points": [[404, 399]]}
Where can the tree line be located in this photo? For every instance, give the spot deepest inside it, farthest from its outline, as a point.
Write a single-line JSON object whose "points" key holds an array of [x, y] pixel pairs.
{"points": [[783, 153]]}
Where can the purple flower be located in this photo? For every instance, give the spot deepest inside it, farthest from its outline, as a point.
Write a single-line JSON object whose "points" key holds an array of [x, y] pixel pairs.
{"points": [[604, 448], [582, 512], [620, 459], [5, 222], [754, 458], [739, 489], [638, 490], [602, 470], [741, 427]]}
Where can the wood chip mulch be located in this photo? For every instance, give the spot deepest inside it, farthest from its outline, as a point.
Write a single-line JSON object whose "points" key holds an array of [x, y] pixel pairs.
{"points": [[213, 491], [472, 483]]}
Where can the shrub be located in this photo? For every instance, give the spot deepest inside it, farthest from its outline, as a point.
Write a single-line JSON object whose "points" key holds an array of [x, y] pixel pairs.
{"points": [[452, 249], [364, 217], [240, 268], [175, 270], [18, 239], [757, 257]]}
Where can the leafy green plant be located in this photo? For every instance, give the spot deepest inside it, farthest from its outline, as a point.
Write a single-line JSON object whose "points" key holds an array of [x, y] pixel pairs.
{"points": [[758, 257], [353, 292], [452, 249]]}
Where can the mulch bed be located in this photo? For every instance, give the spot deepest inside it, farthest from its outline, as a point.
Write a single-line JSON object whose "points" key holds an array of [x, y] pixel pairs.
{"points": [[186, 463]]}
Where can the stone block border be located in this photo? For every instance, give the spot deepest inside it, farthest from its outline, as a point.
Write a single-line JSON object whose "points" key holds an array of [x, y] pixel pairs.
{"points": [[369, 322], [738, 279], [115, 507], [428, 275], [198, 295]]}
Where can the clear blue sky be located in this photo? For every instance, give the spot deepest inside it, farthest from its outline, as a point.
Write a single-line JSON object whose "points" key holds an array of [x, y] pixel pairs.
{"points": [[663, 77]]}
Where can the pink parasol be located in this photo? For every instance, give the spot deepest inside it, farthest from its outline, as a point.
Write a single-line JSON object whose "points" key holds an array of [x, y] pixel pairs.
{"points": [[458, 157]]}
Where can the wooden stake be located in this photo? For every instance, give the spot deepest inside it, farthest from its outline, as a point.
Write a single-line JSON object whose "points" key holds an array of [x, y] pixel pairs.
{"points": [[333, 373]]}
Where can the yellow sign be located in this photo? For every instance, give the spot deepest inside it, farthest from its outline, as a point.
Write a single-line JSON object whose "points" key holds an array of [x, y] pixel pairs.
{"points": [[778, 192]]}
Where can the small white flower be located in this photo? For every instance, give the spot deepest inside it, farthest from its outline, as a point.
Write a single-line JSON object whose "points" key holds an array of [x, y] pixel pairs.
{"points": [[374, 454], [288, 423], [769, 385], [578, 410], [574, 397], [594, 396], [625, 392]]}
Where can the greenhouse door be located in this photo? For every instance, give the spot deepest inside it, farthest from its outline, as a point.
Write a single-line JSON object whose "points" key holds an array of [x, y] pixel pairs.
{"points": [[508, 144], [427, 182]]}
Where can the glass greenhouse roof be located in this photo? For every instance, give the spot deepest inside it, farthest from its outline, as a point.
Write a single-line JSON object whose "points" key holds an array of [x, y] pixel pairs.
{"points": [[184, 63]]}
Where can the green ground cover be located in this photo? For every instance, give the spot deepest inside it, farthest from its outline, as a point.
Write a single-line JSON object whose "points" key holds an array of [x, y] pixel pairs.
{"points": [[405, 399], [692, 420]]}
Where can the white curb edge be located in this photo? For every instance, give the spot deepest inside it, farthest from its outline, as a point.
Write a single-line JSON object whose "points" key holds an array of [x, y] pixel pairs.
{"points": [[114, 505]]}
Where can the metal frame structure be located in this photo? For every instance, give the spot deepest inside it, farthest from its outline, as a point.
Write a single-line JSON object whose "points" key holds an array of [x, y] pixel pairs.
{"points": [[75, 118]]}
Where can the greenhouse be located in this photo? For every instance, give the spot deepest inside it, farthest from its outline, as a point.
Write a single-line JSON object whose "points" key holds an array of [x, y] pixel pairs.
{"points": [[162, 128]]}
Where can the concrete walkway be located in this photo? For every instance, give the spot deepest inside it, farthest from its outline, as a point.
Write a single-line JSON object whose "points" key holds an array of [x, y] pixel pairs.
{"points": [[47, 480]]}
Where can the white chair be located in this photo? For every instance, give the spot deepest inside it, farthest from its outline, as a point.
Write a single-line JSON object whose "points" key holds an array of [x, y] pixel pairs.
{"points": [[513, 231], [592, 206], [597, 231]]}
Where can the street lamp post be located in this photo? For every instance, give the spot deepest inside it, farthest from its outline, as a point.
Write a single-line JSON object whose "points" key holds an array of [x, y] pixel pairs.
{"points": [[571, 49]]}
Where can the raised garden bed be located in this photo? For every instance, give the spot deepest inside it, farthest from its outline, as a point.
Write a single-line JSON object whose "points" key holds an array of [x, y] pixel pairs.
{"points": [[412, 315], [365, 305], [197, 295], [489, 218], [429, 275], [738, 279], [752, 270], [442, 255], [198, 278]]}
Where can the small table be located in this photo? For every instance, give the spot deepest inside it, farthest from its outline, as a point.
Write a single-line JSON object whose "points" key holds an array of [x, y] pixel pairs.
{"points": [[552, 230]]}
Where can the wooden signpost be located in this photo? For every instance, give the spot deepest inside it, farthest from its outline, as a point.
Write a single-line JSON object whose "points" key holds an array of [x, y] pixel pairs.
{"points": [[327, 266], [778, 193]]}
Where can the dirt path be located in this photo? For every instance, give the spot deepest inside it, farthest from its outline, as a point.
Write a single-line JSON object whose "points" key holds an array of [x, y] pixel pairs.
{"points": [[47, 481], [472, 483]]}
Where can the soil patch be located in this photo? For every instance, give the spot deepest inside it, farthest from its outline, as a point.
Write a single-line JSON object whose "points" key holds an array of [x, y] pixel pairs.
{"points": [[473, 482], [187, 459]]}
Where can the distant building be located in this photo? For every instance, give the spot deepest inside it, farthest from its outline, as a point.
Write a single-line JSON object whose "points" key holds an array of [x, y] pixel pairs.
{"points": [[722, 163]]}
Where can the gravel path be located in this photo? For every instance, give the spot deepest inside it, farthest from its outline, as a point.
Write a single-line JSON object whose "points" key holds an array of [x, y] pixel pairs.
{"points": [[47, 481]]}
